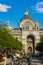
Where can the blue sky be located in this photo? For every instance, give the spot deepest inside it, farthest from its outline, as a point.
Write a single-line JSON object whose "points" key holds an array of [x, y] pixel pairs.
{"points": [[13, 11]]}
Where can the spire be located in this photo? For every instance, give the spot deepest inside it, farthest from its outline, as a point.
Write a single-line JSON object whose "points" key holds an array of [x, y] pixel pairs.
{"points": [[8, 24], [26, 12], [37, 22], [37, 25]]}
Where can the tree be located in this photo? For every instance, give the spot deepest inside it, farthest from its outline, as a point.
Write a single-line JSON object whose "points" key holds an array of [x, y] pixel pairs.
{"points": [[39, 45], [41, 39], [7, 39], [18, 44]]}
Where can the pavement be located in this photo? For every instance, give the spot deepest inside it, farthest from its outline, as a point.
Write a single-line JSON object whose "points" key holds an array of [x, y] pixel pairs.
{"points": [[35, 61]]}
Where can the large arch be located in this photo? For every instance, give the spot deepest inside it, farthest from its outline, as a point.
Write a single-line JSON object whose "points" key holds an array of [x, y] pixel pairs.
{"points": [[31, 41]]}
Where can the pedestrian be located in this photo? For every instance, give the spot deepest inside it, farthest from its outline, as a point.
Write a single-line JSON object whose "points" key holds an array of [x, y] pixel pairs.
{"points": [[5, 57], [29, 56], [1, 56], [10, 57], [14, 56]]}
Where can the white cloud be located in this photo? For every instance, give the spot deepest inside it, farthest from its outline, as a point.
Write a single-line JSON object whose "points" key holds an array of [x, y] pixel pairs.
{"points": [[4, 8], [38, 7]]}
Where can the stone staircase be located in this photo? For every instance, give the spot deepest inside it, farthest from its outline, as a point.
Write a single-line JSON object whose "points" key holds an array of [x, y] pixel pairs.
{"points": [[36, 62]]}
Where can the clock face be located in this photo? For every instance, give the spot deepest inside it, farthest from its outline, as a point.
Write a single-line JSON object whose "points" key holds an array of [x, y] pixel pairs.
{"points": [[27, 24]]}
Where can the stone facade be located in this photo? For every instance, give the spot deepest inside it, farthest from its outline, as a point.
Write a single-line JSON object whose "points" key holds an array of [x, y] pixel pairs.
{"points": [[28, 32]]}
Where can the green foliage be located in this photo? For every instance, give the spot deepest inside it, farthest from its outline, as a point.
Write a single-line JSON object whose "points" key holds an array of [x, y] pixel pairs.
{"points": [[7, 39], [39, 45], [41, 38], [18, 44]]}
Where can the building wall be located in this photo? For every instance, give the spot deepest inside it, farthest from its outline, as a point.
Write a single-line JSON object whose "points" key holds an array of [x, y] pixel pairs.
{"points": [[28, 27]]}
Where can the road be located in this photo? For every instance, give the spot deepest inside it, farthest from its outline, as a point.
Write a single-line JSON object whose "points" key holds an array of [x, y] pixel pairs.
{"points": [[37, 60]]}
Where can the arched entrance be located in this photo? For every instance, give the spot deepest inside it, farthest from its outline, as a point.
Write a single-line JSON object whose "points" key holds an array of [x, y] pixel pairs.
{"points": [[31, 42]]}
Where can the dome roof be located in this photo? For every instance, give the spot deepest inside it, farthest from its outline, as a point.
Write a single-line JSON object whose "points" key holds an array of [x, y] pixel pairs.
{"points": [[25, 16]]}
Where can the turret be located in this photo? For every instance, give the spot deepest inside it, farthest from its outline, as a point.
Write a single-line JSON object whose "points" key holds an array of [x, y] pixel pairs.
{"points": [[37, 25], [8, 24], [26, 12]]}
